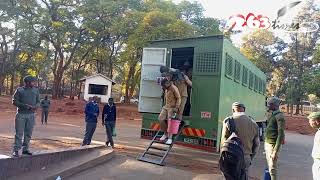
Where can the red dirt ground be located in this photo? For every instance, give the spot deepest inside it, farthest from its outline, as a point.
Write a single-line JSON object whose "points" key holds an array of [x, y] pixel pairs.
{"points": [[299, 124], [74, 107]]}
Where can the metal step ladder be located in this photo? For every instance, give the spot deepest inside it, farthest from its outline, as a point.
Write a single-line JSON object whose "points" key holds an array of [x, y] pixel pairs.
{"points": [[157, 151]]}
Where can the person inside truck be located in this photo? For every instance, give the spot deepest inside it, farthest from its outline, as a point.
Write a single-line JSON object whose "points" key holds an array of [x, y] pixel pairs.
{"points": [[172, 103], [182, 85], [187, 70]]}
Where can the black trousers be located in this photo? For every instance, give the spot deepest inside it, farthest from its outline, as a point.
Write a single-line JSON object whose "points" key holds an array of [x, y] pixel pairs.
{"points": [[90, 129], [109, 131]]}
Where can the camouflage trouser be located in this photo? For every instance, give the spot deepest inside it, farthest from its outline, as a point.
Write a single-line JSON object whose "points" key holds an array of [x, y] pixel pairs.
{"points": [[316, 169], [272, 164], [182, 106], [24, 124]]}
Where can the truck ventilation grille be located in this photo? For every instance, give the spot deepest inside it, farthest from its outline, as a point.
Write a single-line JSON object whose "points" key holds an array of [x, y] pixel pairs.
{"points": [[237, 71], [229, 66], [208, 62]]}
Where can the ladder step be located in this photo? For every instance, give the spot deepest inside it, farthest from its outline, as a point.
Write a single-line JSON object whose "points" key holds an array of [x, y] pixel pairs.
{"points": [[154, 154], [158, 162], [158, 148], [160, 142]]}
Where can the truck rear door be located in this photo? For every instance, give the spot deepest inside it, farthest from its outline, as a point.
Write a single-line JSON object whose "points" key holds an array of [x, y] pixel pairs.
{"points": [[150, 91]]}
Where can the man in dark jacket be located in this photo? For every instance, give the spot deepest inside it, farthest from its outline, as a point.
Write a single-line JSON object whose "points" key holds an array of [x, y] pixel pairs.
{"points": [[92, 113], [109, 117]]}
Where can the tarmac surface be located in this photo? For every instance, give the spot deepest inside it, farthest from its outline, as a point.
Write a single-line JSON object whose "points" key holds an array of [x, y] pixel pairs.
{"points": [[295, 160]]}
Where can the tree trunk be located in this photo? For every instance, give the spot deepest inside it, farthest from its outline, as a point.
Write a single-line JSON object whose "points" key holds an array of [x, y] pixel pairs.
{"points": [[12, 83], [7, 86], [1, 84], [47, 87], [56, 86], [133, 82], [61, 94], [288, 107], [291, 109], [297, 109], [72, 84], [128, 83], [78, 89]]}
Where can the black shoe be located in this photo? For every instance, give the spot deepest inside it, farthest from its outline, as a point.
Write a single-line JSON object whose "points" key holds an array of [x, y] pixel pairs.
{"points": [[107, 143], [15, 154], [27, 153]]}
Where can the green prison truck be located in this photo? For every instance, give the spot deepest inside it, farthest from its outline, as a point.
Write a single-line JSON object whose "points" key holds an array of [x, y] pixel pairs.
{"points": [[221, 75]]}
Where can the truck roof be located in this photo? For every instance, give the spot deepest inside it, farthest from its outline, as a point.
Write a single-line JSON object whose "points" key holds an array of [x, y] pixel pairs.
{"points": [[197, 37]]}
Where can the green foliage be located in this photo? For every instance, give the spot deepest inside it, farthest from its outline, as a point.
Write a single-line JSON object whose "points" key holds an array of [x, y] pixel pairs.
{"points": [[67, 39]]}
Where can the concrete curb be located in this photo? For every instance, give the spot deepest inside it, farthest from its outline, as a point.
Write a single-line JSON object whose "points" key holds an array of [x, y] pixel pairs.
{"points": [[65, 164], [82, 167]]}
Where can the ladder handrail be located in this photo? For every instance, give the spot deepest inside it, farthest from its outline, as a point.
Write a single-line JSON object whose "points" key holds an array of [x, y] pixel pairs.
{"points": [[154, 139]]}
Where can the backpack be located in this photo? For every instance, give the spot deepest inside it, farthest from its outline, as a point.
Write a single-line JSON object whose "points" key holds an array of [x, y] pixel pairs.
{"points": [[232, 162]]}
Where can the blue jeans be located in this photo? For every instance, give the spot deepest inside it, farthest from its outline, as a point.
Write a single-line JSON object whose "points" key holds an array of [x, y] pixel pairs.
{"points": [[109, 130], [90, 129]]}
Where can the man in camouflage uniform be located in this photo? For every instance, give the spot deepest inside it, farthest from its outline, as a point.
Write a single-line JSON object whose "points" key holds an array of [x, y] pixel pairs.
{"points": [[314, 121], [274, 135], [45, 105], [27, 100]]}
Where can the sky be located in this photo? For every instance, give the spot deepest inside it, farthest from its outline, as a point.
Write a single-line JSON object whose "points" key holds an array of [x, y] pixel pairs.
{"points": [[223, 9]]}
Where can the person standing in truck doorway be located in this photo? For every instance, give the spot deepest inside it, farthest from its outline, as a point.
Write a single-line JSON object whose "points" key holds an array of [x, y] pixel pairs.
{"points": [[172, 104], [27, 100], [182, 85], [45, 105], [274, 136]]}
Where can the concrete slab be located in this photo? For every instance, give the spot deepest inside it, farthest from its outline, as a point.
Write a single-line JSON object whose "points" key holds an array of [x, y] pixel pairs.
{"points": [[124, 168]]}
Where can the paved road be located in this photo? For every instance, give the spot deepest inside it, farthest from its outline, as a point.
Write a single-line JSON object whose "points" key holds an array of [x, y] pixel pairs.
{"points": [[295, 161], [294, 164], [124, 168]]}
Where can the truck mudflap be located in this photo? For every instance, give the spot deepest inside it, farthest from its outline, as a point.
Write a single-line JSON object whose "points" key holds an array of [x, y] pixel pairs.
{"points": [[196, 142]]}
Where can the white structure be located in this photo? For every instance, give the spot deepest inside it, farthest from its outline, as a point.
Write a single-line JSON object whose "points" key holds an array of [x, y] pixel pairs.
{"points": [[96, 85]]}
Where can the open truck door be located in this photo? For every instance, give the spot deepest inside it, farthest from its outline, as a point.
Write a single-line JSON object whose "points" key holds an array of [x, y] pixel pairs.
{"points": [[150, 92]]}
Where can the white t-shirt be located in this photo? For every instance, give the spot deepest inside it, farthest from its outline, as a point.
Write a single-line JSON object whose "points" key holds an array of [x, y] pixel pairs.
{"points": [[316, 146]]}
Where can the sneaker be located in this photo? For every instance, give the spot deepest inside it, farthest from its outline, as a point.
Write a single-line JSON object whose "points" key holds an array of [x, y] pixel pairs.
{"points": [[15, 154], [169, 141], [107, 143], [163, 137], [27, 153]]}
